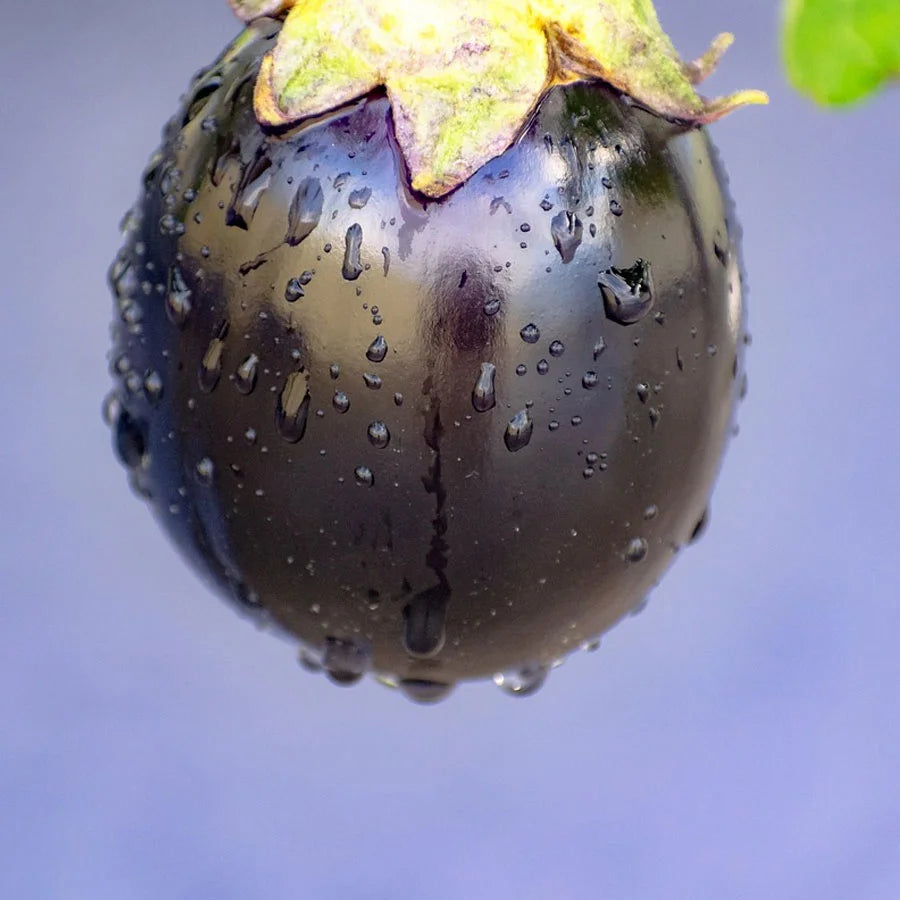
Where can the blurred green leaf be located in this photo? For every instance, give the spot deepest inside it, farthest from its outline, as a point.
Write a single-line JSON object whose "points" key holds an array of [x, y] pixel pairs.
{"points": [[839, 51]]}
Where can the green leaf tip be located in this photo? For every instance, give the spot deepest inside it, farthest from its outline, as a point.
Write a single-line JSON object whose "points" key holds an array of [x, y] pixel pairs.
{"points": [[463, 76], [840, 51]]}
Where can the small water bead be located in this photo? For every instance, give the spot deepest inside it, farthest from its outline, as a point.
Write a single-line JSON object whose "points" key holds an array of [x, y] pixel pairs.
{"points": [[636, 550], [372, 381], [654, 415], [424, 625], [651, 512], [543, 367], [546, 205], [606, 182], [576, 420], [530, 333], [334, 370], [364, 476], [491, 307], [522, 682], [553, 425], [557, 348], [588, 472], [245, 376], [340, 401], [590, 380], [484, 396], [377, 350], [643, 392], [378, 434], [398, 399], [205, 471], [615, 207], [518, 431], [250, 436], [521, 369]]}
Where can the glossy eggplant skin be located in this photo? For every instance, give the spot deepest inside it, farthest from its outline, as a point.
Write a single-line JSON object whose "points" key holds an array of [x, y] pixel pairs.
{"points": [[425, 438]]}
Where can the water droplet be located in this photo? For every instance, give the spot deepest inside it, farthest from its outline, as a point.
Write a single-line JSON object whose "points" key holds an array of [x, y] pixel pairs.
{"points": [[700, 527], [566, 231], [378, 434], [250, 436], [588, 472], [521, 369], [491, 307], [518, 431], [345, 661], [651, 512], [531, 334], [627, 293], [359, 198], [599, 347], [211, 365], [377, 350], [557, 348], [245, 376], [205, 471], [543, 367], [654, 415], [293, 290], [340, 401], [484, 396], [643, 392], [352, 267], [424, 618], [153, 387], [615, 207], [373, 382], [522, 682], [130, 440], [386, 254], [305, 211], [546, 205], [589, 380], [292, 410], [364, 476], [253, 184], [178, 298], [398, 399], [421, 691], [636, 550]]}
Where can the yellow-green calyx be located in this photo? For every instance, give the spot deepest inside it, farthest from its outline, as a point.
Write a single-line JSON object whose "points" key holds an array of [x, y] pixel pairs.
{"points": [[462, 76]]}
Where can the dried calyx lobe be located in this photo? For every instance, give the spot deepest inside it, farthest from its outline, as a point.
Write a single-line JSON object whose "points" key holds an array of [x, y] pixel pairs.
{"points": [[464, 75]]}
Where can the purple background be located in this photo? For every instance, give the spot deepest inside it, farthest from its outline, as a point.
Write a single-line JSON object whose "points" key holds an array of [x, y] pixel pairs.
{"points": [[740, 738]]}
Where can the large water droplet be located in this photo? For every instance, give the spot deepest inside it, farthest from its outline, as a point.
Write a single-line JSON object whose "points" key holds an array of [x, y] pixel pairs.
{"points": [[292, 411], [379, 435], [305, 211], [420, 690], [130, 440], [424, 634], [340, 401], [627, 293], [530, 333], [345, 661], [211, 365], [566, 231], [377, 350], [636, 550], [178, 298], [483, 394], [253, 184], [352, 267], [359, 198], [518, 431], [245, 376], [522, 682]]}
